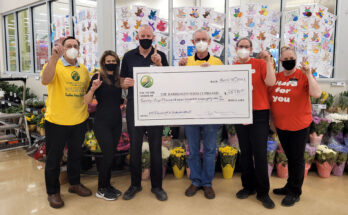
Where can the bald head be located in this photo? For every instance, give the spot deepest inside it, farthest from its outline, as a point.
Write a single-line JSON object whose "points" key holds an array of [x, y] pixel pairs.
{"points": [[145, 32]]}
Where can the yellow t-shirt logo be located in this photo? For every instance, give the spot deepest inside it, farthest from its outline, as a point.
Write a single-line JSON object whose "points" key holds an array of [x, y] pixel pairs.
{"points": [[75, 76]]}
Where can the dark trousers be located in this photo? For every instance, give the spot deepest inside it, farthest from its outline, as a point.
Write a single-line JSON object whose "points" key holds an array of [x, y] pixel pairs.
{"points": [[155, 143], [294, 144], [108, 136], [57, 136], [253, 145]]}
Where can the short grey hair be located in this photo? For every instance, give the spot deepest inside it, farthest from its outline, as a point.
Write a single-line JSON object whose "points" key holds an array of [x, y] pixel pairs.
{"points": [[286, 48], [247, 39], [198, 31]]}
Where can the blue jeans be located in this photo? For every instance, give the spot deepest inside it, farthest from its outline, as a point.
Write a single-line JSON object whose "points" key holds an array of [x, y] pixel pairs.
{"points": [[202, 175]]}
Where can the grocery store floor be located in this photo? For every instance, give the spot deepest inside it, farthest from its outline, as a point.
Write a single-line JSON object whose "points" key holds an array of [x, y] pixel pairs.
{"points": [[22, 189]]}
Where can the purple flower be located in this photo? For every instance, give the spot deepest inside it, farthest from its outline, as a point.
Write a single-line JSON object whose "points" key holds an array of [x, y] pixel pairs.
{"points": [[316, 119]]}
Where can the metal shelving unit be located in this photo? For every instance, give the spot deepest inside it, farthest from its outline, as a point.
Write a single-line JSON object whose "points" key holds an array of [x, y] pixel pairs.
{"points": [[12, 135]]}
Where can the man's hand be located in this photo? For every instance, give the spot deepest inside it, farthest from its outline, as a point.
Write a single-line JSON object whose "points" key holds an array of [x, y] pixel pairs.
{"points": [[128, 82], [96, 83], [156, 58], [57, 51], [206, 64]]}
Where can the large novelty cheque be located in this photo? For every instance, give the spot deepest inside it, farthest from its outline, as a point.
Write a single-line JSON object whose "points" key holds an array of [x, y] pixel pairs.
{"points": [[192, 95]]}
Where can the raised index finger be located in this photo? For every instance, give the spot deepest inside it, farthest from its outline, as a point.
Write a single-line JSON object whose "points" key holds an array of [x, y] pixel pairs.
{"points": [[99, 76], [155, 49], [262, 48]]}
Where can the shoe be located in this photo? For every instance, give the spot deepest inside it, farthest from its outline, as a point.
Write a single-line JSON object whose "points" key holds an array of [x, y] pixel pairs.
{"points": [[191, 190], [80, 190], [209, 192], [107, 194], [130, 193], [159, 193], [290, 200], [245, 193], [55, 200], [114, 190], [281, 191], [267, 202]]}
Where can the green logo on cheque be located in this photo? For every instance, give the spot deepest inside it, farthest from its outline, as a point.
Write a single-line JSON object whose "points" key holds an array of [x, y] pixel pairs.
{"points": [[75, 76], [146, 81]]}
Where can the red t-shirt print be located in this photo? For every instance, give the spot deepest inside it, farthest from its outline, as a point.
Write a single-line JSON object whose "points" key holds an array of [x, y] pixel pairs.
{"points": [[260, 94], [290, 103]]}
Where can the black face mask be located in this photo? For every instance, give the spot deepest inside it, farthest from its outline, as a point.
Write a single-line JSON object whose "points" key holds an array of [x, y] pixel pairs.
{"points": [[289, 64], [145, 43], [111, 66]]}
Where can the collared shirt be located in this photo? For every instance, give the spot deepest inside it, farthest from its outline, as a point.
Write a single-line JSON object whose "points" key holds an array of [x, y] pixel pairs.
{"points": [[132, 59], [205, 59], [66, 63]]}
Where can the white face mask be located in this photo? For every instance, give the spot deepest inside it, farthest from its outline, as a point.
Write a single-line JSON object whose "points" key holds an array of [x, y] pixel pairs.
{"points": [[72, 53], [243, 53], [201, 46]]}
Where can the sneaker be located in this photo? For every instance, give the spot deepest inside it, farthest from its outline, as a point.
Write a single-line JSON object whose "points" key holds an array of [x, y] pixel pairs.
{"points": [[114, 190], [290, 200], [159, 193], [266, 201], [245, 193], [106, 194], [281, 191], [130, 193], [191, 190], [209, 192]]}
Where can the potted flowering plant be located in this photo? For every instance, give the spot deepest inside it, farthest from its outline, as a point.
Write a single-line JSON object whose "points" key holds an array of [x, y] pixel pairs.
{"points": [[228, 157], [167, 136], [232, 136], [309, 157], [339, 165], [165, 157], [325, 159], [145, 161], [91, 142], [318, 128], [281, 163], [32, 121], [271, 151], [178, 161]]}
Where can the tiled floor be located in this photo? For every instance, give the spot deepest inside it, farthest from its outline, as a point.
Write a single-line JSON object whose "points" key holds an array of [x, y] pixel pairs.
{"points": [[22, 191]]}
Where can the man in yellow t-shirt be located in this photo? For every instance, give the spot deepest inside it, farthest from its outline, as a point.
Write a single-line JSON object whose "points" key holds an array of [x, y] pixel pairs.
{"points": [[201, 174], [65, 118]]}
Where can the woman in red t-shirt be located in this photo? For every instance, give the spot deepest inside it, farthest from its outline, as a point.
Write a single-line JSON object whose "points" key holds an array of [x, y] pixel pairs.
{"points": [[292, 116], [253, 137]]}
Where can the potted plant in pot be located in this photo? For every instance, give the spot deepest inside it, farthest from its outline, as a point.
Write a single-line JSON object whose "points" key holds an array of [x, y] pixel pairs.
{"points": [[232, 136], [145, 161], [281, 163], [167, 136], [271, 151], [339, 165], [309, 157], [325, 158], [165, 157], [228, 157], [32, 121], [178, 161], [318, 128]]}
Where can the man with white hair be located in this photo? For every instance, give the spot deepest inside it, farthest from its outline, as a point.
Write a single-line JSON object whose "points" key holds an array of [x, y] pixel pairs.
{"points": [[201, 174], [143, 56]]}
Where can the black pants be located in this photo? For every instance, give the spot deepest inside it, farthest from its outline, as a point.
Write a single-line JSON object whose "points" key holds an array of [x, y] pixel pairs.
{"points": [[155, 143], [108, 136], [294, 144], [253, 145], [57, 136]]}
